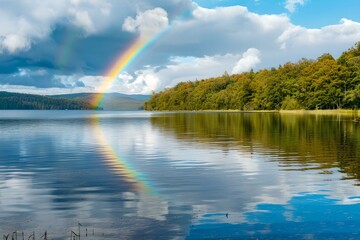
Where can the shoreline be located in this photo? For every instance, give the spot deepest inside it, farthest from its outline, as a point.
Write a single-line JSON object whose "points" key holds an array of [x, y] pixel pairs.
{"points": [[302, 111], [323, 112]]}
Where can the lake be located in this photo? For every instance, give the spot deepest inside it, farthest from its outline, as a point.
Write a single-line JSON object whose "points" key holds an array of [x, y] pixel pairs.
{"points": [[142, 175]]}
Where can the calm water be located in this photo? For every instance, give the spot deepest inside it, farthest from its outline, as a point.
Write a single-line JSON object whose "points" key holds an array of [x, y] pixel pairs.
{"points": [[139, 175]]}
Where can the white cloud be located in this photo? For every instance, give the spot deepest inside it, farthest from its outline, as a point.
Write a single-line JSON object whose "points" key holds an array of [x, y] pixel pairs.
{"points": [[26, 22], [181, 69], [291, 4], [249, 60], [27, 72], [13, 43], [125, 77], [71, 81], [346, 31], [143, 82], [82, 19], [225, 30], [146, 82], [147, 23]]}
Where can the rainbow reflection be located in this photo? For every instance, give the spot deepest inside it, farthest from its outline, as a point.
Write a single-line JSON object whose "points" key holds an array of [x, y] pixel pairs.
{"points": [[116, 163]]}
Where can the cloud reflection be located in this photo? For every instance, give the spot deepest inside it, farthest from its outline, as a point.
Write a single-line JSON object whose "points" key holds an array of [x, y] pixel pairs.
{"points": [[58, 170]]}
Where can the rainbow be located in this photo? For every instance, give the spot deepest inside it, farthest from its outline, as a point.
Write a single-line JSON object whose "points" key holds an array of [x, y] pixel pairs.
{"points": [[117, 164], [124, 59], [66, 49]]}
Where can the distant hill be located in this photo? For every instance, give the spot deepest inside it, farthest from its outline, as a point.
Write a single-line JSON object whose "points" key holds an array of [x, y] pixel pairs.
{"points": [[111, 101], [29, 101]]}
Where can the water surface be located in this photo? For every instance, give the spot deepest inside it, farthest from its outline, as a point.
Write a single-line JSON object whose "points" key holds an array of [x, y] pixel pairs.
{"points": [[140, 175]]}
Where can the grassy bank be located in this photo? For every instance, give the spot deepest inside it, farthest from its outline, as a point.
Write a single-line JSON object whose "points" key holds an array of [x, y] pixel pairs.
{"points": [[319, 112], [323, 112]]}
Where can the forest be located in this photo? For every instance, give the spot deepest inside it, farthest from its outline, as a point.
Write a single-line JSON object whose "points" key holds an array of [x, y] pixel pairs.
{"points": [[28, 101], [324, 83]]}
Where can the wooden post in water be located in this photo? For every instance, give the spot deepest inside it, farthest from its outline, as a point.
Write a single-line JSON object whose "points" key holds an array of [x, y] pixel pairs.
{"points": [[44, 236], [14, 234], [32, 236], [79, 224], [74, 236]]}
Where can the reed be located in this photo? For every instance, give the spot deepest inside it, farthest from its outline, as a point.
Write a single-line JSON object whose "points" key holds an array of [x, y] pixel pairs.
{"points": [[20, 235]]}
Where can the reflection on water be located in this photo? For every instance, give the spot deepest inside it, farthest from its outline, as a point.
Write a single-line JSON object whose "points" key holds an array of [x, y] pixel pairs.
{"points": [[296, 141], [114, 161], [308, 216], [184, 175]]}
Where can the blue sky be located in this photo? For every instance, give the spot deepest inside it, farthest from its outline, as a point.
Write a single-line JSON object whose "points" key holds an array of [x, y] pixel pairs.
{"points": [[311, 14], [53, 47]]}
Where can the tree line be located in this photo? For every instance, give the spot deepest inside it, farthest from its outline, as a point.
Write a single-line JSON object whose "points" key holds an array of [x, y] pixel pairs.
{"points": [[29, 101], [324, 83]]}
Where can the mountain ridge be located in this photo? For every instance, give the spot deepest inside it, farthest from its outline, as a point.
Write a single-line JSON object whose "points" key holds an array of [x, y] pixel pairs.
{"points": [[74, 101], [12, 100], [111, 101]]}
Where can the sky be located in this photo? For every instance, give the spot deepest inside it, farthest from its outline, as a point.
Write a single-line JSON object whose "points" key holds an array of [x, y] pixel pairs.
{"points": [[71, 46]]}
